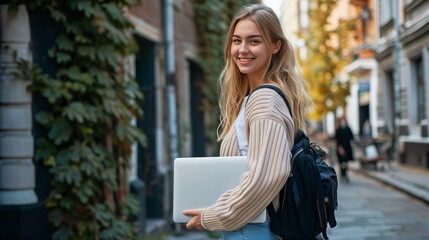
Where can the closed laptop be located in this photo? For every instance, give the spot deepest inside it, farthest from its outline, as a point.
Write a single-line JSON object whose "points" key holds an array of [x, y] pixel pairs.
{"points": [[200, 181]]}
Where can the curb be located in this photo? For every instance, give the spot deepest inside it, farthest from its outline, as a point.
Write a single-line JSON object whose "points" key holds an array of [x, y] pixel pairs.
{"points": [[401, 186]]}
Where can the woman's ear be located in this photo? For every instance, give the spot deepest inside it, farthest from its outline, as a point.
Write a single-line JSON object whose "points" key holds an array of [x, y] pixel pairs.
{"points": [[276, 47]]}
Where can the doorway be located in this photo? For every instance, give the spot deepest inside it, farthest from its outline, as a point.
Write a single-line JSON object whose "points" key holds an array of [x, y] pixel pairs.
{"points": [[146, 156], [197, 112]]}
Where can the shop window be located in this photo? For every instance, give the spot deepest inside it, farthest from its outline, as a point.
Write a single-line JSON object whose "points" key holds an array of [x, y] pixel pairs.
{"points": [[420, 87]]}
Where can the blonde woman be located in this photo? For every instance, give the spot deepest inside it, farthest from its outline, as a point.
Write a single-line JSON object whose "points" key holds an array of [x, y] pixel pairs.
{"points": [[260, 127]]}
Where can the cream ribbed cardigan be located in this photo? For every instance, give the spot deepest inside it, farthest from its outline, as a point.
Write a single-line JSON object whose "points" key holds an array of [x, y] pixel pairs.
{"points": [[270, 131]]}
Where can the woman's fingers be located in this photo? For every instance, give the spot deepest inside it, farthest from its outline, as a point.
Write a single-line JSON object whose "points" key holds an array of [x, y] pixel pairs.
{"points": [[192, 212], [189, 212], [194, 223], [189, 225]]}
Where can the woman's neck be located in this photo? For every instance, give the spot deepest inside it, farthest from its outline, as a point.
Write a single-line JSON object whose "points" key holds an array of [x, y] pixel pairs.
{"points": [[254, 84], [254, 81]]}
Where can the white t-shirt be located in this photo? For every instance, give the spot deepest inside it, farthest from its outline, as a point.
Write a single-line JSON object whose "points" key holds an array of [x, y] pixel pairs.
{"points": [[241, 131]]}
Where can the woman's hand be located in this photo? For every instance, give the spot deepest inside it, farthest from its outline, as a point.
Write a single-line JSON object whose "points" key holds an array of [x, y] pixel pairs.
{"points": [[195, 222]]}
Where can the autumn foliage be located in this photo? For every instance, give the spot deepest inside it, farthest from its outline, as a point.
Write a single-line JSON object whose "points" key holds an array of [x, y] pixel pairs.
{"points": [[325, 44]]}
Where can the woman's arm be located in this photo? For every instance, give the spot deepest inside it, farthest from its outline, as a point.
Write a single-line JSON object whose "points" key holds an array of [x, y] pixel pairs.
{"points": [[270, 142]]}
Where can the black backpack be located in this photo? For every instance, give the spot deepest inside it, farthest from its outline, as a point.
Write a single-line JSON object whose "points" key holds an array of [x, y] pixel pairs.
{"points": [[309, 198]]}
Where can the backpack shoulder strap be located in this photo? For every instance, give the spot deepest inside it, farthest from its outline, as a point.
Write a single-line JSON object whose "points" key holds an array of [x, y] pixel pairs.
{"points": [[278, 90]]}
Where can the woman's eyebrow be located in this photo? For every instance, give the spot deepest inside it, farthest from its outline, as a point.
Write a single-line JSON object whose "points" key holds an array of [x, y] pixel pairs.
{"points": [[250, 36]]}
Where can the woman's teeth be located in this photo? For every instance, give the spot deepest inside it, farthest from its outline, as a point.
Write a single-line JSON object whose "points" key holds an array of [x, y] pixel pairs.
{"points": [[246, 59]]}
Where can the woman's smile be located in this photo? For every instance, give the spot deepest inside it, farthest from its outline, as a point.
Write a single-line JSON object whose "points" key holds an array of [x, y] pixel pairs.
{"points": [[249, 50], [245, 61]]}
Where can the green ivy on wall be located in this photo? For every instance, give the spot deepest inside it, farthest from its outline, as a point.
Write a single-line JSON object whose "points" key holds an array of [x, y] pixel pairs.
{"points": [[212, 20], [92, 101]]}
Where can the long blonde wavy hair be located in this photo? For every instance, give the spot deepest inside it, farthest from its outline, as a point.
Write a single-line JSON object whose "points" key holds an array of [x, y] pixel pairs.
{"points": [[281, 71]]}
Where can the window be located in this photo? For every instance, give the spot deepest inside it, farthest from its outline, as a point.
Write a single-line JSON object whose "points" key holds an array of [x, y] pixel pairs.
{"points": [[390, 101], [420, 84], [303, 14], [386, 10]]}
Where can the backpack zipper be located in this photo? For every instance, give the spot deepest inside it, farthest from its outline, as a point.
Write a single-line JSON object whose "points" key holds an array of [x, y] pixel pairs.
{"points": [[290, 176], [296, 154], [283, 202]]}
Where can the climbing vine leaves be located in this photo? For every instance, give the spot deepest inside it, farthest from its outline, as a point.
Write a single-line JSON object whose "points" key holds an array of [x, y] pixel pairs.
{"points": [[91, 101]]}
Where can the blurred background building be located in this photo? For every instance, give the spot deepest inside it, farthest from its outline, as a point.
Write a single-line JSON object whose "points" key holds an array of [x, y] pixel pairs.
{"points": [[403, 70], [24, 184], [168, 70], [388, 70]]}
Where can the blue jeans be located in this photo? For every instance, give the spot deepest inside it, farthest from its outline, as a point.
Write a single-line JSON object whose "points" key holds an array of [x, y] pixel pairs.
{"points": [[251, 231]]}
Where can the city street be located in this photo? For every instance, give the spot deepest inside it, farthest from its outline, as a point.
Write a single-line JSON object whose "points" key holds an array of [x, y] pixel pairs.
{"points": [[369, 210], [99, 98]]}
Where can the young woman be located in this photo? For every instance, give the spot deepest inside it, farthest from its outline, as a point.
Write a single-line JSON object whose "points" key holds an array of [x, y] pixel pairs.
{"points": [[256, 53]]}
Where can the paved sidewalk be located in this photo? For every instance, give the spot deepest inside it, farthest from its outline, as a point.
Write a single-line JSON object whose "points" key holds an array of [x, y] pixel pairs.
{"points": [[368, 210], [411, 180]]}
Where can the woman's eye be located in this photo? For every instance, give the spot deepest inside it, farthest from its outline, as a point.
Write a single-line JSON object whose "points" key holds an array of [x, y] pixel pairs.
{"points": [[236, 40], [254, 41]]}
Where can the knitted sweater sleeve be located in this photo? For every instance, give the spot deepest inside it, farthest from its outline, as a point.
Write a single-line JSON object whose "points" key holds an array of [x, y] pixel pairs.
{"points": [[269, 132]]}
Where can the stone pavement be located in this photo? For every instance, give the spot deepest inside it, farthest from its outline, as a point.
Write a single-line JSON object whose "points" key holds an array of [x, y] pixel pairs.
{"points": [[370, 207], [371, 210], [411, 180]]}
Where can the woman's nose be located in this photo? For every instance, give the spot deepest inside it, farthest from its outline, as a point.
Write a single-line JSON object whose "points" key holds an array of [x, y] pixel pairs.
{"points": [[243, 48]]}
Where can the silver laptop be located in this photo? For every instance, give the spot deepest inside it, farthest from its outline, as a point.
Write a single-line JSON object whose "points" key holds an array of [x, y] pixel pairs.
{"points": [[199, 182]]}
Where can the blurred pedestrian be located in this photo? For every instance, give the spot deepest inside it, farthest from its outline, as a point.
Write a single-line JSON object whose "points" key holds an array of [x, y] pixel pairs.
{"points": [[366, 139], [257, 53], [367, 129], [343, 137]]}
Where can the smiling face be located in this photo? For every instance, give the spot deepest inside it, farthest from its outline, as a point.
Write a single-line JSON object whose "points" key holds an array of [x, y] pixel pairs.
{"points": [[249, 50]]}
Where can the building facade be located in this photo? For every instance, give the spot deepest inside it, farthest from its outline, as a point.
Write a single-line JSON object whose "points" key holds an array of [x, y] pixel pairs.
{"points": [[403, 75], [389, 70], [20, 196], [25, 184], [153, 163], [295, 21], [363, 67]]}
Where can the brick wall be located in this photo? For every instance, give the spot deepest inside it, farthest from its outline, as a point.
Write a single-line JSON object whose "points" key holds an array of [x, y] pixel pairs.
{"points": [[185, 35], [184, 25], [150, 11]]}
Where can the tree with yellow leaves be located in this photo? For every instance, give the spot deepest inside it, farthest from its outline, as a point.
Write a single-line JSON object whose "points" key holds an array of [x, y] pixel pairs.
{"points": [[324, 60]]}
